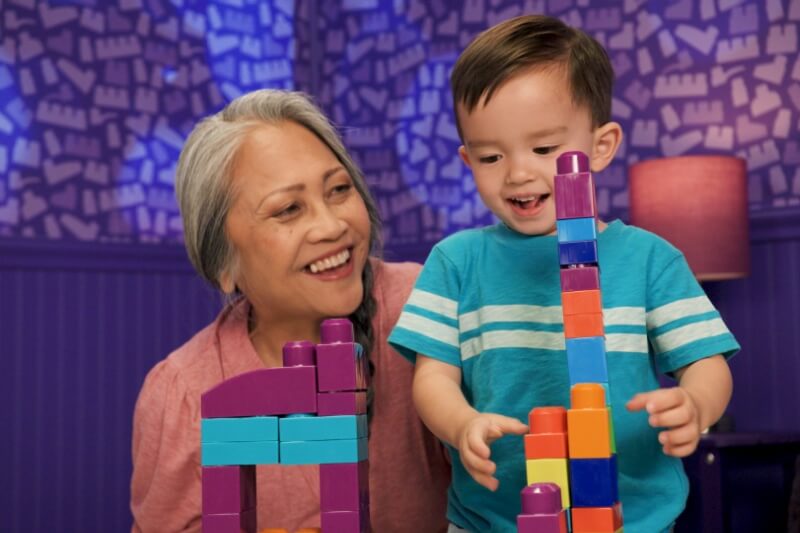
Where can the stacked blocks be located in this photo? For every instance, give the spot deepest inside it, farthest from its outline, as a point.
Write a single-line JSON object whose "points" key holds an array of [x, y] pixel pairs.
{"points": [[310, 411], [586, 471], [541, 510]]}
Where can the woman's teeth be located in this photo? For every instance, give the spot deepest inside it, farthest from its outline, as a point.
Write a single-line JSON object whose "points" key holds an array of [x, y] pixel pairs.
{"points": [[330, 262]]}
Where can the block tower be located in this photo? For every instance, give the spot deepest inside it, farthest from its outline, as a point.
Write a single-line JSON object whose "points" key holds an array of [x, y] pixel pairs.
{"points": [[310, 411], [575, 448]]}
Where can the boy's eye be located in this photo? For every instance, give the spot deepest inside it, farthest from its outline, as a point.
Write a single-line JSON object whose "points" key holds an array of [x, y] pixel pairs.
{"points": [[544, 150], [489, 159]]}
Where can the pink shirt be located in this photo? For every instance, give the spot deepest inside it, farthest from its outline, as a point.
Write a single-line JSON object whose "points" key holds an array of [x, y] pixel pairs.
{"points": [[409, 469]]}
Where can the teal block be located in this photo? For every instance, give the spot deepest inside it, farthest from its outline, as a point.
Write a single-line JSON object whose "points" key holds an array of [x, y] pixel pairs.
{"points": [[239, 453], [314, 452], [576, 229], [586, 360], [335, 427], [247, 429]]}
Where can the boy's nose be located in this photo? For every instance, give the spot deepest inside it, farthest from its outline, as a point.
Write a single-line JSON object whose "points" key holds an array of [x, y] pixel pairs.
{"points": [[518, 174]]}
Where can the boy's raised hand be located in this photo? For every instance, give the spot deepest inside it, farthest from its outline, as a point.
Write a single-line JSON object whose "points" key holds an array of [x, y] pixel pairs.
{"points": [[474, 440], [672, 408]]}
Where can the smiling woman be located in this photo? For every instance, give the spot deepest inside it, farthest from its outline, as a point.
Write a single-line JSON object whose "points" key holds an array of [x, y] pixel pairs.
{"points": [[278, 217]]}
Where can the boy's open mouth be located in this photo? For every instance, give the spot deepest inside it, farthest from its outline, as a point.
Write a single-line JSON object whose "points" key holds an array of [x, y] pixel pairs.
{"points": [[528, 205]]}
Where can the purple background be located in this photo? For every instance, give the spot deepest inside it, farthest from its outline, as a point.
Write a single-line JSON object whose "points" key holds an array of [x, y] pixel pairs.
{"points": [[97, 96]]}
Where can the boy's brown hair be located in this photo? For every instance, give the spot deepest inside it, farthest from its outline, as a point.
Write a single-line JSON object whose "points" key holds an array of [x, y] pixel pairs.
{"points": [[529, 42]]}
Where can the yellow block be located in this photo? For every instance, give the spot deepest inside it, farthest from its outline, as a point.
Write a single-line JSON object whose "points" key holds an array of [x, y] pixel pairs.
{"points": [[550, 471]]}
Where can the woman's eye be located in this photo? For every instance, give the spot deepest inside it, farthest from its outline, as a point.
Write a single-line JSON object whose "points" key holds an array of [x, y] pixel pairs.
{"points": [[287, 211], [544, 150], [489, 159], [341, 189]]}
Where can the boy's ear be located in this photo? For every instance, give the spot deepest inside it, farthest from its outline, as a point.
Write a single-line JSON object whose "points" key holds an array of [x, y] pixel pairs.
{"points": [[462, 153], [607, 139]]}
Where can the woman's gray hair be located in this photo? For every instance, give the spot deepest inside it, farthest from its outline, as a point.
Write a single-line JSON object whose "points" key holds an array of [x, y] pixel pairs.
{"points": [[202, 178]]}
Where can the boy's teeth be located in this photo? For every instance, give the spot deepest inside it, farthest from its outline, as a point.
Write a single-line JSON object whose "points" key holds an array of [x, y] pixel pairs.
{"points": [[330, 262]]}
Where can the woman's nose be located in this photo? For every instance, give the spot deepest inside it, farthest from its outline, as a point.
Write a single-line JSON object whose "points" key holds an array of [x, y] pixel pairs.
{"points": [[327, 225]]}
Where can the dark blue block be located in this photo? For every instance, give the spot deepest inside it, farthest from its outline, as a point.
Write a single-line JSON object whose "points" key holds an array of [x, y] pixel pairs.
{"points": [[577, 253], [593, 482]]}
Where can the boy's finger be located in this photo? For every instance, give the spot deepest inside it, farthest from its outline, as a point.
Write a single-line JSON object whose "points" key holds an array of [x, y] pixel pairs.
{"points": [[475, 463], [671, 418], [476, 441], [678, 436], [489, 482], [656, 401], [682, 450], [506, 425]]}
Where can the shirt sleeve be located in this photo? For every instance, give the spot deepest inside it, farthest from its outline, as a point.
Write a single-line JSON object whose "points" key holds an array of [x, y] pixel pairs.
{"points": [[428, 323], [683, 326], [166, 484]]}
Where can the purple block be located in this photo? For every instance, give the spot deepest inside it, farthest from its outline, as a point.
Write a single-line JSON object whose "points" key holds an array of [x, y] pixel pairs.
{"points": [[580, 278], [228, 489], [541, 510], [343, 486], [244, 522], [335, 330], [269, 391], [345, 521], [573, 162], [341, 403], [341, 367], [574, 187], [298, 353]]}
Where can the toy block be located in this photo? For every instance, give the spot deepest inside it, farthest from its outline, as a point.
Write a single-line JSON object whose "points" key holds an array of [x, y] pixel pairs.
{"points": [[239, 453], [255, 428], [299, 353], [267, 391], [576, 229], [323, 451], [577, 253], [309, 530], [580, 278], [588, 422], [548, 433], [550, 471], [341, 403], [244, 522], [584, 325], [586, 360], [323, 428], [597, 519], [542, 511], [580, 302], [228, 489], [345, 521], [341, 367], [574, 187], [274, 530], [343, 486], [593, 482]]}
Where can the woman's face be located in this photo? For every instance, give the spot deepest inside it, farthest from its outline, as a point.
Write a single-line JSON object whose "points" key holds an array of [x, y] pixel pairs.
{"points": [[299, 228]]}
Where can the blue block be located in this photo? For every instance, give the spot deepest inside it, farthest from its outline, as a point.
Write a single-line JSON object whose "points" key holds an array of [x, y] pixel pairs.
{"points": [[246, 429], [593, 482], [576, 229], [577, 253], [239, 453], [335, 427], [314, 452], [586, 360]]}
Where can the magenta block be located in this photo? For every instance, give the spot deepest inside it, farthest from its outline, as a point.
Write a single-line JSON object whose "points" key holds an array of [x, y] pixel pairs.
{"points": [[298, 353], [575, 196], [572, 162], [541, 510], [345, 521], [580, 279], [244, 522], [343, 486], [341, 403], [228, 489], [341, 367], [268, 391], [335, 330]]}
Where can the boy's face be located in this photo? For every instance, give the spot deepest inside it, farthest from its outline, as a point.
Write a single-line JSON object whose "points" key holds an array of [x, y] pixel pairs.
{"points": [[511, 145]]}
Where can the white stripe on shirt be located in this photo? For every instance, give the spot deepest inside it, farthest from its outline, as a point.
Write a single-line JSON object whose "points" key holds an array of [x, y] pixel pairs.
{"points": [[678, 309], [624, 316], [509, 313], [516, 338], [428, 328], [434, 303], [689, 333]]}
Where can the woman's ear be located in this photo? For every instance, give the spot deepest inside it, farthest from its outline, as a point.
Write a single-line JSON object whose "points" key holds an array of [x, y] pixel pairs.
{"points": [[607, 139], [226, 282]]}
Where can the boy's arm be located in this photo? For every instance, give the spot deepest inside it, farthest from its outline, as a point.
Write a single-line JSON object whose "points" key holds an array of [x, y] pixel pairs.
{"points": [[442, 407], [704, 391]]}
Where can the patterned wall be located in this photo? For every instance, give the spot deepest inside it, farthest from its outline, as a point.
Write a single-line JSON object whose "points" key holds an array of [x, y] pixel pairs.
{"points": [[97, 96]]}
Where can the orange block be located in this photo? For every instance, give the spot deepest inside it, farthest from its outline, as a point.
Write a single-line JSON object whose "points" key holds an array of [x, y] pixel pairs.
{"points": [[597, 519], [273, 530], [546, 446], [581, 302], [583, 325], [309, 530], [589, 430]]}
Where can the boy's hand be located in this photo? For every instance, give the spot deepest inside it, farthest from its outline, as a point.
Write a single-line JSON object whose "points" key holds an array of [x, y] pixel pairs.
{"points": [[474, 440], [672, 408]]}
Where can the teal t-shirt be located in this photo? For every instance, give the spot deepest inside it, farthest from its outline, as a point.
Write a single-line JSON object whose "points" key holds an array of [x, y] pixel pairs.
{"points": [[488, 300]]}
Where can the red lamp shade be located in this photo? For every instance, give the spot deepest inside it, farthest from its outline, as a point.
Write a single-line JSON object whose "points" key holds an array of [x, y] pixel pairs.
{"points": [[699, 204]]}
